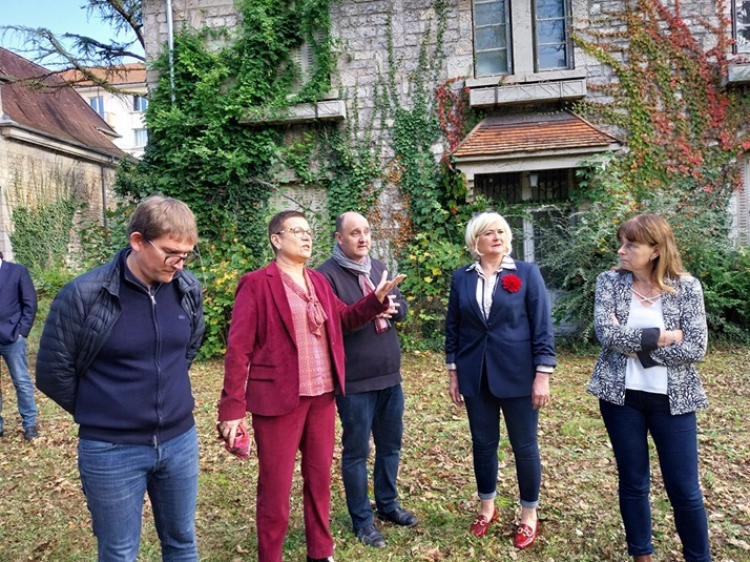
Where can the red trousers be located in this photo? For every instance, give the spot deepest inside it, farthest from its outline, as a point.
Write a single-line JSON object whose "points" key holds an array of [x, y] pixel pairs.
{"points": [[309, 428]]}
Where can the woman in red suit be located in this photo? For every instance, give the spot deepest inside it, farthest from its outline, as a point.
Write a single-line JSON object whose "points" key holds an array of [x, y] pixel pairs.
{"points": [[285, 358]]}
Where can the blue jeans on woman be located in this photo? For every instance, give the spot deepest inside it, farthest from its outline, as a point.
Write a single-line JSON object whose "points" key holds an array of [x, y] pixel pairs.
{"points": [[676, 443], [115, 479], [15, 358], [521, 421], [380, 412]]}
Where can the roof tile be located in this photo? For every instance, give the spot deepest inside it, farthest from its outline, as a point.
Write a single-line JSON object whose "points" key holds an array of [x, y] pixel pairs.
{"points": [[51, 107], [498, 135]]}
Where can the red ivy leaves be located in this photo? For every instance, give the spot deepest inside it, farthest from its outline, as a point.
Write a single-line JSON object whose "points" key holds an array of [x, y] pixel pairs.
{"points": [[452, 106], [512, 283]]}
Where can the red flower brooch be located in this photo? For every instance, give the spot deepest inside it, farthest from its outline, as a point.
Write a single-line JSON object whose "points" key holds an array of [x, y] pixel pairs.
{"points": [[512, 283]]}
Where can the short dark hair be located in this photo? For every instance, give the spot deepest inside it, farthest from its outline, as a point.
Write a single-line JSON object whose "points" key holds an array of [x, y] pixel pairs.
{"points": [[1, 255], [278, 221], [159, 216]]}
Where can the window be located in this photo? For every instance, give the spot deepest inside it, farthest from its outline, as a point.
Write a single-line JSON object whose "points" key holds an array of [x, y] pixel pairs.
{"points": [[98, 104], [141, 137], [491, 37], [533, 203], [741, 25], [533, 44], [140, 103], [551, 32], [305, 62]]}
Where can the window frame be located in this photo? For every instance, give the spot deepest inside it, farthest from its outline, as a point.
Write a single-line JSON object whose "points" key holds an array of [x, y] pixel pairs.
{"points": [[529, 202], [736, 48], [97, 104], [567, 19], [508, 37], [140, 103], [137, 133]]}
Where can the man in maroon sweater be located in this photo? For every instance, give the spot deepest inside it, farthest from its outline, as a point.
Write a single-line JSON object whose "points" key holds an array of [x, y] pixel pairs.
{"points": [[374, 401]]}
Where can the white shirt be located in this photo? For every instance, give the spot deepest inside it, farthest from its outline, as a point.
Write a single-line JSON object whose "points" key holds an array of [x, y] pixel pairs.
{"points": [[653, 379]]}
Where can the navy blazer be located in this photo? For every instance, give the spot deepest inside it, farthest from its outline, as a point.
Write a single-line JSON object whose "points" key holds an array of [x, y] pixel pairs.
{"points": [[17, 302], [515, 339]]}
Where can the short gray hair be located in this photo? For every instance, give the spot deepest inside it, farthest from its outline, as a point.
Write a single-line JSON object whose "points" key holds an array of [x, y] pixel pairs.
{"points": [[481, 222]]}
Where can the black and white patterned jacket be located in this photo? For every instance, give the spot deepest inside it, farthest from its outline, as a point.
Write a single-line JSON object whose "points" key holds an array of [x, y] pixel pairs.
{"points": [[683, 310]]}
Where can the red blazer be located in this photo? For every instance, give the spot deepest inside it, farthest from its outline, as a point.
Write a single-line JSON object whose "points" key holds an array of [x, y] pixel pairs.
{"points": [[261, 369]]}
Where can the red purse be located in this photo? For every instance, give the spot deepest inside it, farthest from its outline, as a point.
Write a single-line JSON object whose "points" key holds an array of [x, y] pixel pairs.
{"points": [[241, 447]]}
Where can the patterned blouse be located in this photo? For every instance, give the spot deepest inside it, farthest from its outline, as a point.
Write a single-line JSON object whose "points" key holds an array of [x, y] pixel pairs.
{"points": [[683, 310]]}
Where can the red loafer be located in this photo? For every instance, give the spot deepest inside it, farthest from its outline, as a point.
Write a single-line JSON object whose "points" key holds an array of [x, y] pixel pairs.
{"points": [[481, 525], [525, 536]]}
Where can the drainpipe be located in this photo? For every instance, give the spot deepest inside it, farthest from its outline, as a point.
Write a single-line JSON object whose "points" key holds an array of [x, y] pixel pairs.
{"points": [[170, 46], [104, 198]]}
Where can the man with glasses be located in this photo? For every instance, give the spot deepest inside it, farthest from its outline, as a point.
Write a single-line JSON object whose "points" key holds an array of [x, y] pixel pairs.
{"points": [[115, 352]]}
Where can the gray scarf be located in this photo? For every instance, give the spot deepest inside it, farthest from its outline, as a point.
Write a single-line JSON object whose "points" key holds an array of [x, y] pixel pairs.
{"points": [[362, 271]]}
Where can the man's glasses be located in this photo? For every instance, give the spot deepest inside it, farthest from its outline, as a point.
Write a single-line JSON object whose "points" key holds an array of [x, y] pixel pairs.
{"points": [[173, 260], [298, 231]]}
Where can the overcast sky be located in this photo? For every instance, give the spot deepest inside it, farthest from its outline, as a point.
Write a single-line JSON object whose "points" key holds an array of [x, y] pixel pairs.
{"points": [[59, 16]]}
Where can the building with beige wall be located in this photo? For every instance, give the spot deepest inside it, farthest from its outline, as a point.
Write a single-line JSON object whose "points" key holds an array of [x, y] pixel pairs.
{"points": [[53, 146]]}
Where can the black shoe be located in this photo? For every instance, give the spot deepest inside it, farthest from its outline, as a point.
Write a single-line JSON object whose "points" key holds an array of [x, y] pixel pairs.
{"points": [[30, 433], [329, 559], [370, 536], [1, 433], [399, 516]]}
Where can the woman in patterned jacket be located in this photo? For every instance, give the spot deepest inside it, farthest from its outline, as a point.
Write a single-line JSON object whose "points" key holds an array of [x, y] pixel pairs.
{"points": [[651, 322]]}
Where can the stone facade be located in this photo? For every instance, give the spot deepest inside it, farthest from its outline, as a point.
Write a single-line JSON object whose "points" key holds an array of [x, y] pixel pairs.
{"points": [[31, 176], [363, 28]]}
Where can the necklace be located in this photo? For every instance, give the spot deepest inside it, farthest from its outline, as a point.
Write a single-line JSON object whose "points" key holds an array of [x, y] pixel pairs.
{"points": [[646, 298]]}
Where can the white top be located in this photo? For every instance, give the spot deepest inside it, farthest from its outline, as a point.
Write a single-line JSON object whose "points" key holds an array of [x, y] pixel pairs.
{"points": [[653, 379]]}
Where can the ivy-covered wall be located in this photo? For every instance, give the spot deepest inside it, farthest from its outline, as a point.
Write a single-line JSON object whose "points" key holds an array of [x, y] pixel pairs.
{"points": [[41, 194], [400, 67]]}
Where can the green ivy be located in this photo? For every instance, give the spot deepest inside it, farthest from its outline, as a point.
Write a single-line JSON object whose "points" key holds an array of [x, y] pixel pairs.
{"points": [[41, 234]]}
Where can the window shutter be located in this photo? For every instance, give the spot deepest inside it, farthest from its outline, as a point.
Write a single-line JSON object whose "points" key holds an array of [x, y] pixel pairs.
{"points": [[743, 207]]}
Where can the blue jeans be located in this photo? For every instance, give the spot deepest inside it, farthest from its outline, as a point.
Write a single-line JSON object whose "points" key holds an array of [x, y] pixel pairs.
{"points": [[380, 412], [115, 479], [521, 422], [677, 446], [15, 358]]}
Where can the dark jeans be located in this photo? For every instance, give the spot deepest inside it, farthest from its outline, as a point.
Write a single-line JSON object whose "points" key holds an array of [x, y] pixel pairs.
{"points": [[677, 446], [521, 422], [381, 413]]}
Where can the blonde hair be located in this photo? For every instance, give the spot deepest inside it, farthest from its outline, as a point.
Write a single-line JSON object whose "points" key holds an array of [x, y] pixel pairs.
{"points": [[481, 222], [666, 267], [159, 216]]}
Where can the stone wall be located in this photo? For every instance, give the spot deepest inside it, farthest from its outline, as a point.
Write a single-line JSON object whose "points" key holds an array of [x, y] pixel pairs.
{"points": [[362, 27], [31, 177]]}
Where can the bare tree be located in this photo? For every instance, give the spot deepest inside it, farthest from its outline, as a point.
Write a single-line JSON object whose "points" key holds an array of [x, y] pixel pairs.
{"points": [[92, 62]]}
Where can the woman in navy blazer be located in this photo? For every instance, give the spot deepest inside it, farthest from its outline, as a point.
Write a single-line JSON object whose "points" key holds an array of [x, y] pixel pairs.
{"points": [[500, 353], [285, 357]]}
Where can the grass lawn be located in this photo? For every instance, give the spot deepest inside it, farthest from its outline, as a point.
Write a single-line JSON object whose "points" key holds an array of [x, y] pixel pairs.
{"points": [[43, 514]]}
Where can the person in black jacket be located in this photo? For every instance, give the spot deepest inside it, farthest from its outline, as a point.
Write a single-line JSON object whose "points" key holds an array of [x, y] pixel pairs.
{"points": [[374, 401], [115, 352], [17, 312]]}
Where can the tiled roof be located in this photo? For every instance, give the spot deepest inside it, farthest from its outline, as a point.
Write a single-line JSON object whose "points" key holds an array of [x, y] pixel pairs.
{"points": [[57, 111], [124, 75], [537, 132]]}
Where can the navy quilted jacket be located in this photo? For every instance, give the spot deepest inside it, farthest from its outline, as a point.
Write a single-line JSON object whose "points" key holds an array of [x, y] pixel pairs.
{"points": [[81, 319]]}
